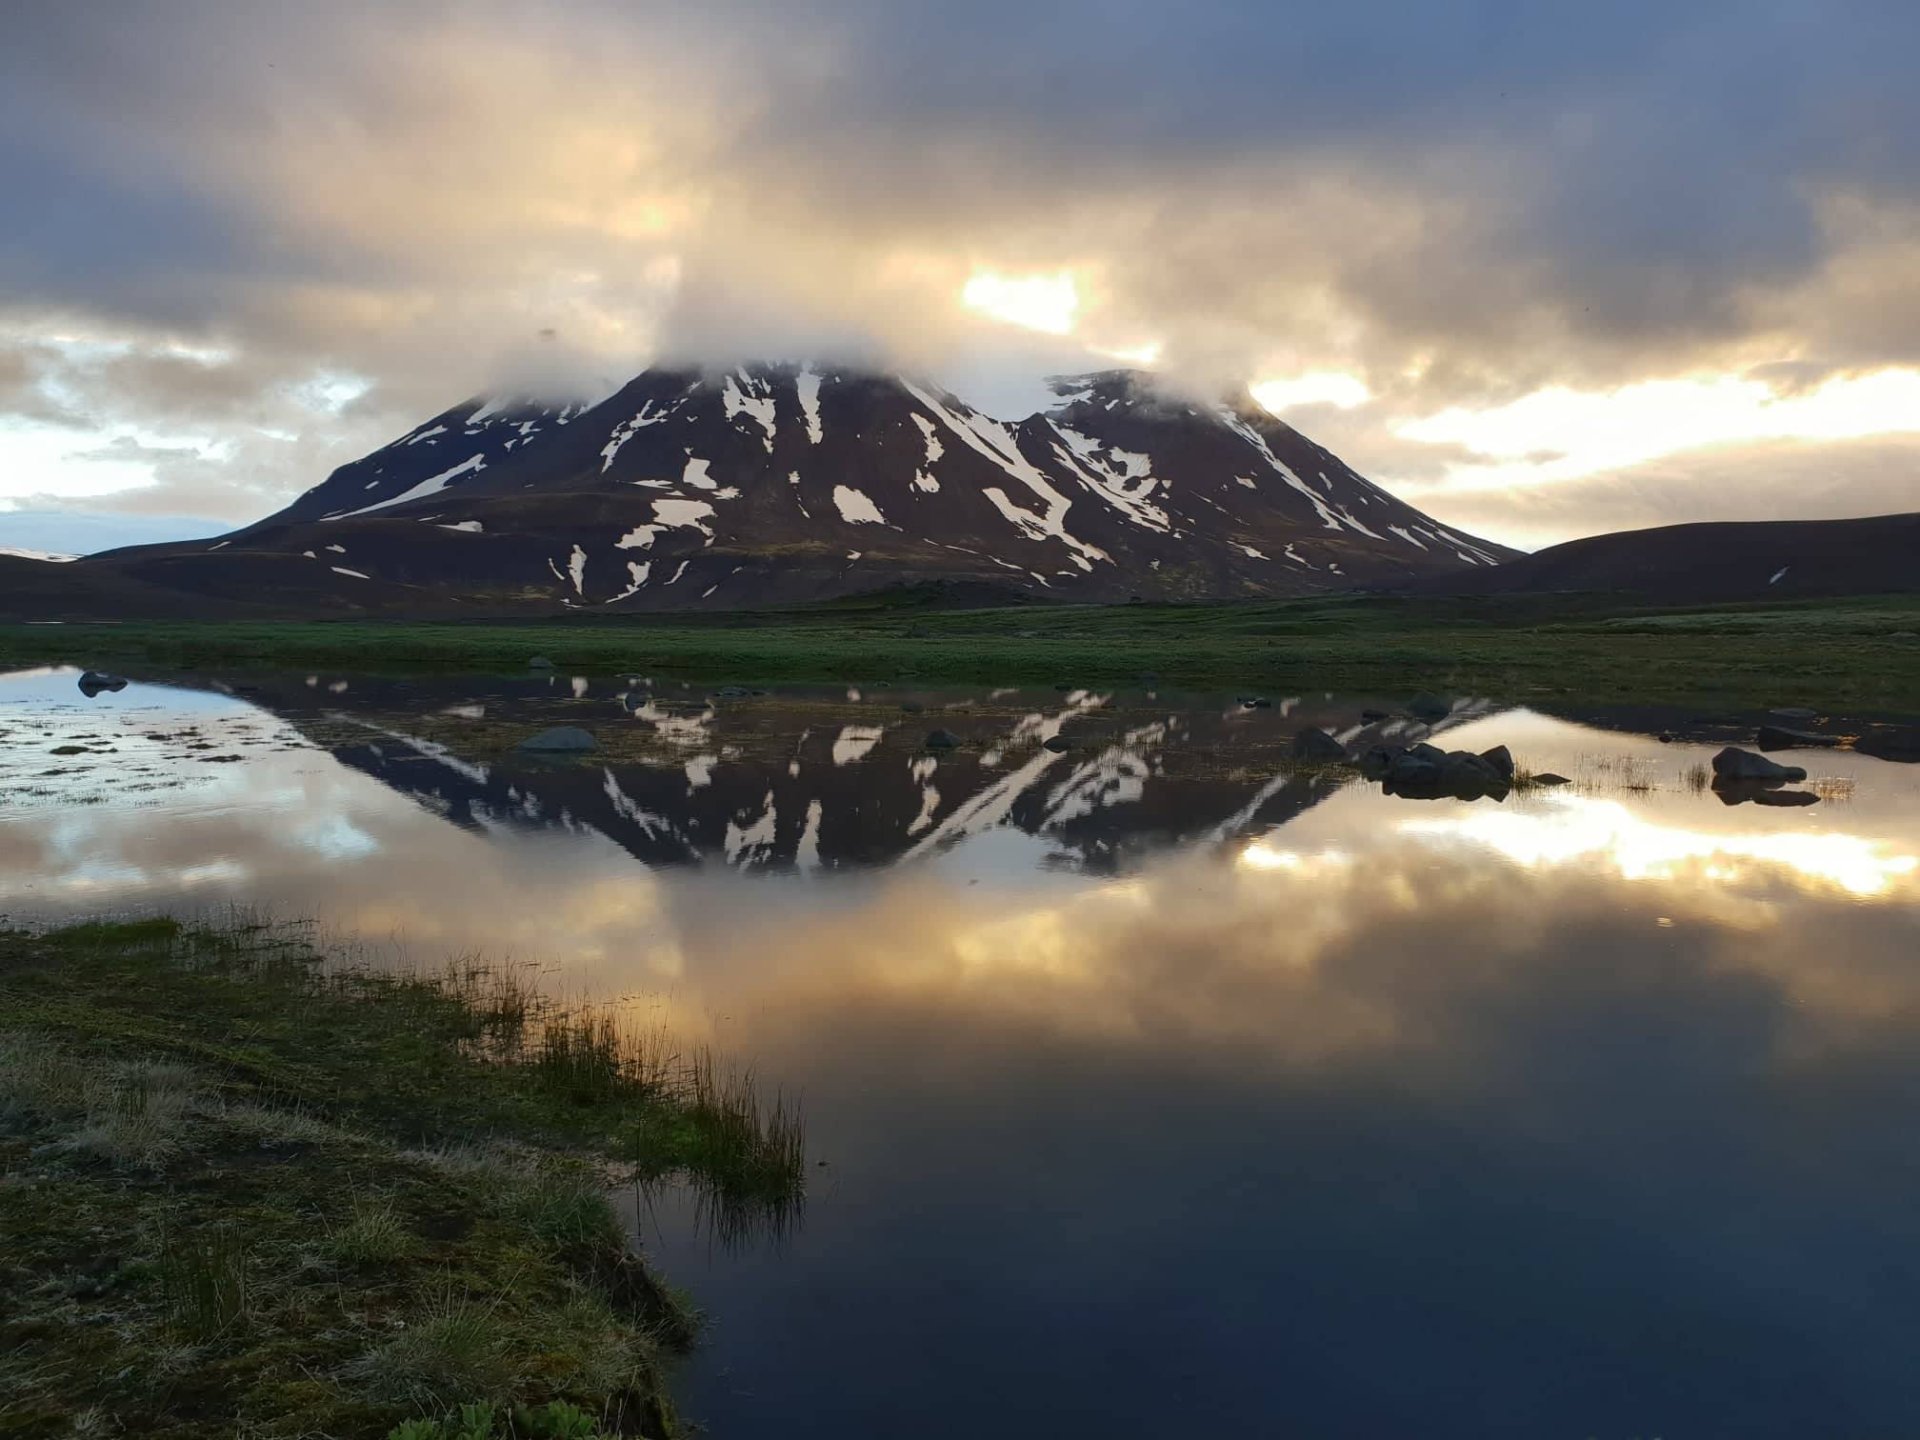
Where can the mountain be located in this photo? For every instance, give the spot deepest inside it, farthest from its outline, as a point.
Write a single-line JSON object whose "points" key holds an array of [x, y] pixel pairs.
{"points": [[775, 484], [1732, 560]]}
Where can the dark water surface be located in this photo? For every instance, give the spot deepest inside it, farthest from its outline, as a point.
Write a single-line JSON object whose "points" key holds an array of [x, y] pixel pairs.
{"points": [[1159, 1091]]}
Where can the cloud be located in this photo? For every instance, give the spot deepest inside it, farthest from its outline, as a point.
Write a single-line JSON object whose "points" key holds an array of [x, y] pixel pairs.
{"points": [[1780, 480], [1457, 207]]}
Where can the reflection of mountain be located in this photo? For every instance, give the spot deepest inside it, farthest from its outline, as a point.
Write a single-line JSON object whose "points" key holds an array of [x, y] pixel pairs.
{"points": [[799, 796]]}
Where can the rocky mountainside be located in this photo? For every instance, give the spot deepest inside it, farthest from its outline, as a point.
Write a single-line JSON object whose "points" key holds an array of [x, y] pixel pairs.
{"points": [[773, 484]]}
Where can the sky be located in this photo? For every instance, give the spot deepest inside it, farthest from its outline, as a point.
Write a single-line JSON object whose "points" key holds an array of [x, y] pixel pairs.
{"points": [[1543, 270]]}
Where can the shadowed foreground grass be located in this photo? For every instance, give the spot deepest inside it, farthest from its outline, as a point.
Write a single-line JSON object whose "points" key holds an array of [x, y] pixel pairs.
{"points": [[248, 1191], [1854, 654]]}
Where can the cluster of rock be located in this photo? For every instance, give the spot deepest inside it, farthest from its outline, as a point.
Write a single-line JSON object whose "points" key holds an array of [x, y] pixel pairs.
{"points": [[1421, 771]]}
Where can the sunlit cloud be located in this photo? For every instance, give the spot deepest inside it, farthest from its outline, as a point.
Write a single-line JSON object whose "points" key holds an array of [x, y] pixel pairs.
{"points": [[1316, 387], [1046, 303], [1560, 433], [1576, 831]]}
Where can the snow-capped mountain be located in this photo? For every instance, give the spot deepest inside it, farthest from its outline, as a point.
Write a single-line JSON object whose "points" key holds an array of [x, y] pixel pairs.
{"points": [[779, 483]]}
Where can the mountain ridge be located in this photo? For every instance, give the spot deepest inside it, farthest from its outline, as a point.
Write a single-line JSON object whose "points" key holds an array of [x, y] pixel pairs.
{"points": [[788, 483]]}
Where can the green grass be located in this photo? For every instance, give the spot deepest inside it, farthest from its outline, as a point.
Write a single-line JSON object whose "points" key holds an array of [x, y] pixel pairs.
{"points": [[248, 1188], [1831, 653]]}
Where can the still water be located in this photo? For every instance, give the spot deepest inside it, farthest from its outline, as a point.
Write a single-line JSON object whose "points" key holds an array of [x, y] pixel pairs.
{"points": [[1150, 1089]]}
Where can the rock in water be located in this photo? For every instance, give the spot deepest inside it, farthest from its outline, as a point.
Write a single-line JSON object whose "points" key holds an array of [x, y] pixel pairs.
{"points": [[1734, 763], [1902, 745], [1761, 792], [560, 740], [1428, 708], [540, 662], [92, 682], [1549, 778], [1314, 746], [1778, 737], [1501, 760], [942, 740], [1058, 744]]}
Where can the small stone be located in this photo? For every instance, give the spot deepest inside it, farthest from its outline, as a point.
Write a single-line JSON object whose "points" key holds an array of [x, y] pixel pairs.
{"points": [[1058, 744], [942, 740], [1549, 778], [1428, 707]]}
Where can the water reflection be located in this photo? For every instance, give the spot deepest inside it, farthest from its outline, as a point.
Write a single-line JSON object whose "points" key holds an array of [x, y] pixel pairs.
{"points": [[1158, 1088]]}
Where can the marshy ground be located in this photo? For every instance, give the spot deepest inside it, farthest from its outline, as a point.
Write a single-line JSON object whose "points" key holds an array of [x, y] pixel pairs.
{"points": [[252, 1189]]}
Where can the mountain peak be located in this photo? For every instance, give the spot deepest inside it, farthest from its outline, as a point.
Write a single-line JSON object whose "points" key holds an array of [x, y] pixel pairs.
{"points": [[782, 481]]}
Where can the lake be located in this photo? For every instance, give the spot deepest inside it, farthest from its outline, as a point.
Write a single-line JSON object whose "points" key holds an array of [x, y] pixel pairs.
{"points": [[1153, 1087]]}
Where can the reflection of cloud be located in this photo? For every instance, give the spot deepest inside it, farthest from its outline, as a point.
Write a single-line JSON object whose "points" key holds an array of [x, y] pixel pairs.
{"points": [[1572, 830]]}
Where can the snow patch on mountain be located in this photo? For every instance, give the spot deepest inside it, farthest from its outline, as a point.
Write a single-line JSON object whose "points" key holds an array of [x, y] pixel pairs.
{"points": [[743, 393], [432, 485], [855, 507], [807, 385]]}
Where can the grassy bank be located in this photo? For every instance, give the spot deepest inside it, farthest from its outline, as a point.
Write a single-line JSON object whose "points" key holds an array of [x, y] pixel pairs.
{"points": [[1828, 653], [245, 1190]]}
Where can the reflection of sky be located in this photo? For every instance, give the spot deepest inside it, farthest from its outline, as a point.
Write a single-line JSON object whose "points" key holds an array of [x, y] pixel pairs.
{"points": [[1584, 1114]]}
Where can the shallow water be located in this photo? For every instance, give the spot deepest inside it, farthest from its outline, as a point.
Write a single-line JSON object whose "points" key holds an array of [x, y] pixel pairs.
{"points": [[1150, 1089]]}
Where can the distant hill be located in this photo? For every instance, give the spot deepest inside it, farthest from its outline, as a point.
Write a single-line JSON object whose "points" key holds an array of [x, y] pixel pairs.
{"points": [[1730, 560], [779, 484]]}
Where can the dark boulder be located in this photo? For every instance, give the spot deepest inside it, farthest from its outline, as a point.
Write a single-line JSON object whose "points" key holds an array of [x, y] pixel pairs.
{"points": [[1501, 760], [92, 682], [1901, 745], [1058, 744], [540, 662], [1374, 717], [912, 707], [1428, 707], [1549, 778], [1733, 764], [560, 740], [1314, 746], [1778, 737], [942, 740], [1376, 761]]}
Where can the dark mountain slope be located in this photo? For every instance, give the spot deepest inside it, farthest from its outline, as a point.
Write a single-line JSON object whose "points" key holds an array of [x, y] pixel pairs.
{"points": [[1733, 560]]}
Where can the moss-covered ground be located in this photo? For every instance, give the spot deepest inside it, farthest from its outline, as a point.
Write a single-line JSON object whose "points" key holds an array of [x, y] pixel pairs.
{"points": [[247, 1189], [1854, 654]]}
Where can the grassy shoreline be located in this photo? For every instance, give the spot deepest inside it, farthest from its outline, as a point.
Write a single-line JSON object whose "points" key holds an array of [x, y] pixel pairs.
{"points": [[249, 1189], [1841, 654]]}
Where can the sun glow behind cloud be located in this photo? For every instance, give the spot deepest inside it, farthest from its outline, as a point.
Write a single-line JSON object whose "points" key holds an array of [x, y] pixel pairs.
{"points": [[1047, 303], [1560, 433], [1317, 387]]}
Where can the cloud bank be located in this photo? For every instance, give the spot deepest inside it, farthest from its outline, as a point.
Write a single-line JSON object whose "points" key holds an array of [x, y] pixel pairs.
{"points": [[260, 240]]}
